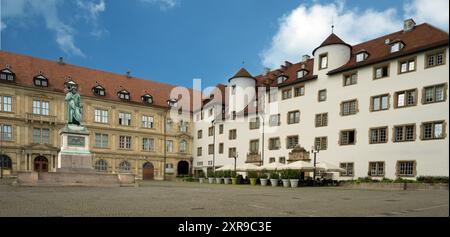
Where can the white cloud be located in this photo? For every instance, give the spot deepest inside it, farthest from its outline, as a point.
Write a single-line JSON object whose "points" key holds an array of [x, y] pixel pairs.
{"points": [[163, 4], [434, 12], [306, 27], [93, 9]]}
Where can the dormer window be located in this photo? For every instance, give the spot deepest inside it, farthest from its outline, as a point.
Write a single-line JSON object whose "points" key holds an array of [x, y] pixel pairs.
{"points": [[172, 102], [70, 85], [40, 80], [301, 74], [397, 46], [99, 90], [124, 95], [7, 75], [147, 99], [281, 79], [361, 57]]}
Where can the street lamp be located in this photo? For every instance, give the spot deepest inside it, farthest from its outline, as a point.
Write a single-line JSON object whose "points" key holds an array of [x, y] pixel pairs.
{"points": [[314, 150], [235, 157]]}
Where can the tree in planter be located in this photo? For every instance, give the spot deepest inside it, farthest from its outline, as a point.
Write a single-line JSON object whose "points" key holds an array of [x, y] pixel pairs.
{"points": [[285, 174], [201, 174], [210, 174], [253, 176], [274, 175]]}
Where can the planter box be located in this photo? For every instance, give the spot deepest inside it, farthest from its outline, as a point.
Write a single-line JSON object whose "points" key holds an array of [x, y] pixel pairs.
{"points": [[252, 181], [274, 182], [286, 183], [226, 180], [218, 180], [294, 183], [201, 180], [234, 180], [211, 180], [263, 182]]}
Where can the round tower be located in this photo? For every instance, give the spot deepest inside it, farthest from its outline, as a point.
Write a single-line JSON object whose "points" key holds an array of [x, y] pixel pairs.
{"points": [[331, 54], [241, 90]]}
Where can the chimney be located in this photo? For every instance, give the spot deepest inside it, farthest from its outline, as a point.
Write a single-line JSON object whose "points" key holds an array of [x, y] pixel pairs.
{"points": [[408, 25], [129, 74], [61, 61], [287, 63], [387, 41], [305, 58]]}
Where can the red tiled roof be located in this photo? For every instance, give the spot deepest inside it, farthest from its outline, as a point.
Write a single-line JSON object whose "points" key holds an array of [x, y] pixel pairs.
{"points": [[422, 37], [27, 67], [330, 40], [242, 73], [290, 72]]}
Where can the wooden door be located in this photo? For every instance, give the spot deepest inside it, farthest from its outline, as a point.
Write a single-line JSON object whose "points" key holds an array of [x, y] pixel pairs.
{"points": [[148, 171], [41, 164]]}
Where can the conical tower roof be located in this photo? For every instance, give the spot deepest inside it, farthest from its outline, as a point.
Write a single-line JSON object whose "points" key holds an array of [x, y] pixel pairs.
{"points": [[242, 73], [330, 40]]}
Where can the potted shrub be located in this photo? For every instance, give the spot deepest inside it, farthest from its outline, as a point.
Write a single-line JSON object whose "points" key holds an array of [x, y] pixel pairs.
{"points": [[218, 175], [293, 178], [285, 178], [201, 176], [274, 179], [226, 177], [263, 178], [210, 177], [253, 176], [233, 177]]}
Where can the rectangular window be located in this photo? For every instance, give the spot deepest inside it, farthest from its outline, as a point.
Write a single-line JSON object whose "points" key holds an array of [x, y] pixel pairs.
{"points": [[435, 59], [148, 144], [321, 143], [323, 59], [232, 134], [299, 91], [406, 168], [210, 112], [322, 95], [5, 103], [199, 151], [282, 160], [45, 136], [349, 169], [349, 107], [101, 116], [254, 123], [434, 94], [232, 152], [291, 142], [6, 132], [350, 79], [348, 137], [408, 65], [254, 146], [221, 129], [405, 133], [210, 131], [433, 130], [220, 148], [322, 120], [41, 135], [37, 135], [293, 117], [169, 146], [199, 134], [272, 160], [101, 140], [233, 89], [378, 135], [381, 72], [379, 102], [273, 94], [125, 142], [274, 143], [376, 169], [274, 120], [40, 107], [147, 121], [210, 149], [405, 98], [287, 94], [125, 119]]}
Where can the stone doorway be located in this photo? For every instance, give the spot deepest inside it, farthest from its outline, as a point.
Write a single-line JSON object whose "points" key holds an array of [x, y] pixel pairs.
{"points": [[183, 168], [41, 164], [148, 171]]}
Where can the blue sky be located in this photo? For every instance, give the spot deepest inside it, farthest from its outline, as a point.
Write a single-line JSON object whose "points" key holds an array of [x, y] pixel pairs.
{"points": [[177, 40]]}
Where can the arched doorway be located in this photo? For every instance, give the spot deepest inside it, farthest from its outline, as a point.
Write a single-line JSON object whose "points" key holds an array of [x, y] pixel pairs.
{"points": [[183, 168], [5, 163], [148, 171], [41, 164]]}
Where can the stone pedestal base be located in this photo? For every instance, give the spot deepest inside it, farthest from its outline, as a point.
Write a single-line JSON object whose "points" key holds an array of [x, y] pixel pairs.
{"points": [[74, 162]]}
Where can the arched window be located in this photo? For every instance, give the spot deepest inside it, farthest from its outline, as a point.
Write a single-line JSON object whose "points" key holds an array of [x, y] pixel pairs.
{"points": [[70, 84], [147, 99], [40, 80], [301, 73], [7, 75], [125, 166], [183, 146], [124, 95], [99, 90], [101, 165], [5, 162]]}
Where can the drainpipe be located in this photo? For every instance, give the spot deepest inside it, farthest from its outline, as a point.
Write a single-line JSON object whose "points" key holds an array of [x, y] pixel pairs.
{"points": [[165, 146]]}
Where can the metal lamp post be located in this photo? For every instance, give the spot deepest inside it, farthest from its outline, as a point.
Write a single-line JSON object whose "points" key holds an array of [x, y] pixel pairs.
{"points": [[314, 150], [235, 157]]}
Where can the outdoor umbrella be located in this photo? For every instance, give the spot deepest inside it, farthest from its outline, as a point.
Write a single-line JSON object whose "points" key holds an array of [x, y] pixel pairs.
{"points": [[225, 168], [329, 167], [273, 166], [299, 165], [247, 167]]}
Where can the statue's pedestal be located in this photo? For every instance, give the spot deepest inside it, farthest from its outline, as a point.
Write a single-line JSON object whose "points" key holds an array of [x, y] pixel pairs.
{"points": [[75, 165], [74, 155]]}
